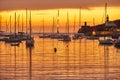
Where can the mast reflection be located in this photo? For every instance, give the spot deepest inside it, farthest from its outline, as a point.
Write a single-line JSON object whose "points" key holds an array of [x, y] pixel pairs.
{"points": [[106, 62], [30, 62]]}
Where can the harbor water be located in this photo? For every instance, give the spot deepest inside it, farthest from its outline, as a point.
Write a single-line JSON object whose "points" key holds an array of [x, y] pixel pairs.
{"points": [[81, 59]]}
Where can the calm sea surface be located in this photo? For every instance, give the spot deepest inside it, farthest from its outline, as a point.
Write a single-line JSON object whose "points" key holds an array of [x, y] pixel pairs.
{"points": [[76, 60]]}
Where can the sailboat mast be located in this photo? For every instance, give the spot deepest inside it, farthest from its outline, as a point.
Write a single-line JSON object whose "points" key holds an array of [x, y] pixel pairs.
{"points": [[43, 25], [58, 22], [93, 21], [30, 25], [22, 22], [6, 26], [26, 21], [105, 11], [40, 26], [74, 22], [80, 17], [0, 21], [18, 22], [10, 24], [30, 64], [68, 22], [53, 25], [15, 24]]}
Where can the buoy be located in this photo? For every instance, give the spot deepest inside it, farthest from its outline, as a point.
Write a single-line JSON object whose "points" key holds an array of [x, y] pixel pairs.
{"points": [[55, 49]]}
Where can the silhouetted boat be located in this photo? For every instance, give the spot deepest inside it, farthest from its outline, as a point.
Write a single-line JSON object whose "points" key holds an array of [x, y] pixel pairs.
{"points": [[105, 40], [117, 43], [43, 34], [15, 44], [67, 38], [56, 35], [3, 38], [1, 32], [75, 36], [10, 40], [30, 40], [92, 38], [22, 36], [13, 37]]}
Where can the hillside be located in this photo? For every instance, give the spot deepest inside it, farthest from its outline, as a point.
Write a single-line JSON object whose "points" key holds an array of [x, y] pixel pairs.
{"points": [[87, 30]]}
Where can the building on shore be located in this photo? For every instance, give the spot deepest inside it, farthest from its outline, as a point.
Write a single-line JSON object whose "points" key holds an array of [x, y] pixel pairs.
{"points": [[109, 28]]}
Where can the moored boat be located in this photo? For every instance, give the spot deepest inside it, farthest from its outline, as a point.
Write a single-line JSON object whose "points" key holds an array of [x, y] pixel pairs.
{"points": [[15, 44], [92, 38], [117, 43], [30, 40], [65, 38], [105, 40]]}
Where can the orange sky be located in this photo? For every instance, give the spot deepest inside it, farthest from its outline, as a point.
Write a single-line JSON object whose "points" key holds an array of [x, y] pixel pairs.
{"points": [[53, 4], [47, 9]]}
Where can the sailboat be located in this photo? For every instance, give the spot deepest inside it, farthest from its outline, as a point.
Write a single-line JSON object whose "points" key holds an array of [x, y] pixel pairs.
{"points": [[67, 38], [13, 38], [15, 44], [43, 34], [30, 39], [117, 43], [74, 36], [56, 35], [53, 27], [2, 38], [106, 39], [77, 36], [1, 32], [22, 35]]}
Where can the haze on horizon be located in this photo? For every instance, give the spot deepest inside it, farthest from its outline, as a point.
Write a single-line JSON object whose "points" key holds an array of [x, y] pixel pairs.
{"points": [[54, 4]]}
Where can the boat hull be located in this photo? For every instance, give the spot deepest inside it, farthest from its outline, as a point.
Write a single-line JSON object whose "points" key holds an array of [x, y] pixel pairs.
{"points": [[15, 44], [117, 43], [105, 42], [30, 43], [12, 40]]}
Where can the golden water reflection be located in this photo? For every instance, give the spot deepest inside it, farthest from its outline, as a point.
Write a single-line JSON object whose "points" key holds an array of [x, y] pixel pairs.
{"points": [[76, 60]]}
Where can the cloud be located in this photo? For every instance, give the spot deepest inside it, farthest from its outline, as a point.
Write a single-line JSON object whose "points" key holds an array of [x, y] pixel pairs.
{"points": [[52, 4]]}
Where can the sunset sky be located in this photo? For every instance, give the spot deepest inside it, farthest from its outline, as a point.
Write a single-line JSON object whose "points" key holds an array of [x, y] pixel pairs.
{"points": [[48, 9]]}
